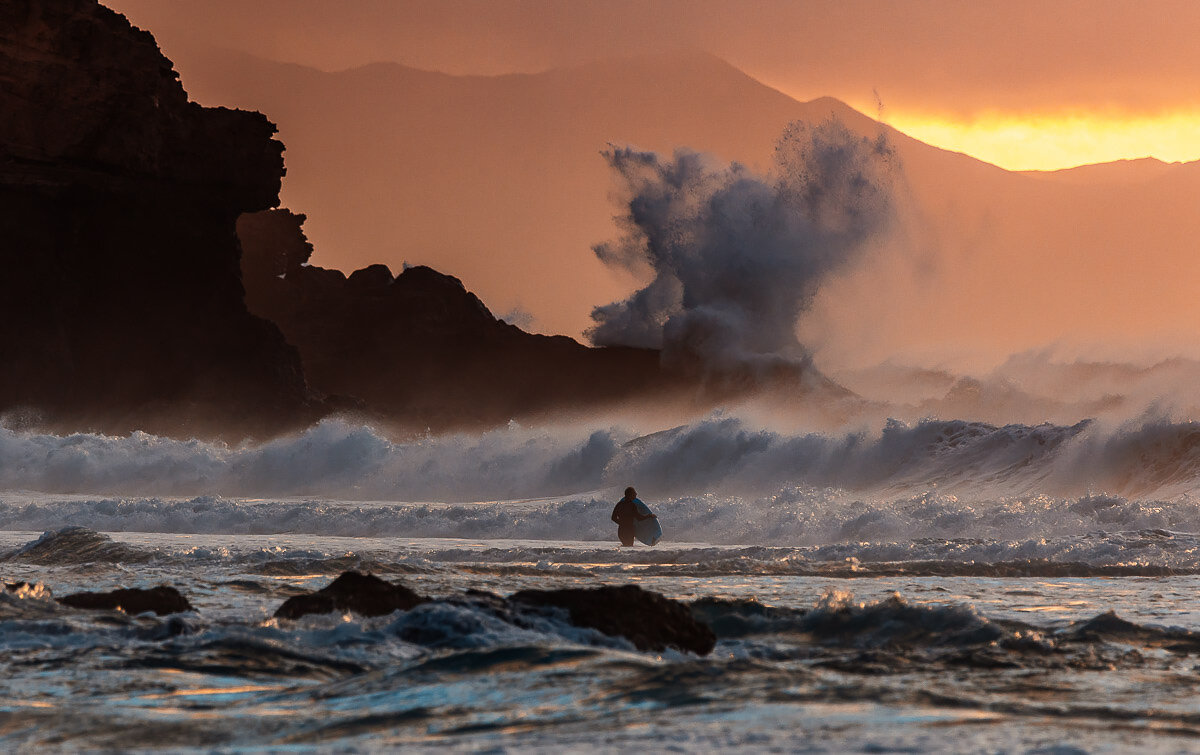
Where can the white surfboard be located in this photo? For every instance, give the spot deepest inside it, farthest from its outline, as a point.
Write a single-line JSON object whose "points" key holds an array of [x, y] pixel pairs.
{"points": [[648, 531]]}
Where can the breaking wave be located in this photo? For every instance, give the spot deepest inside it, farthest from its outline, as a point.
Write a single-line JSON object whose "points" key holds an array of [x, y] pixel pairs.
{"points": [[721, 455]]}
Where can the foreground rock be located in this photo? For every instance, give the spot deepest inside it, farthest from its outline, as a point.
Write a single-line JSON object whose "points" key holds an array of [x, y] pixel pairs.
{"points": [[648, 620], [121, 305], [161, 600], [363, 594]]}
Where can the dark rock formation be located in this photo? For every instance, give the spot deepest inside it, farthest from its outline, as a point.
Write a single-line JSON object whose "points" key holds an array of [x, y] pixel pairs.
{"points": [[419, 346], [647, 619], [120, 299], [364, 594], [162, 600]]}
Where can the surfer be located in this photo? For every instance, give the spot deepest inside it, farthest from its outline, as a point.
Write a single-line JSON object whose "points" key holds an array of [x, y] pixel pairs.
{"points": [[626, 514]]}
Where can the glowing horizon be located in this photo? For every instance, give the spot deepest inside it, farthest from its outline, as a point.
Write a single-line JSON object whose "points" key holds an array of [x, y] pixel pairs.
{"points": [[1056, 141]]}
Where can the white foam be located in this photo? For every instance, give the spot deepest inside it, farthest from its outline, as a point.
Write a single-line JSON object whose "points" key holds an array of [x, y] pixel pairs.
{"points": [[720, 480]]}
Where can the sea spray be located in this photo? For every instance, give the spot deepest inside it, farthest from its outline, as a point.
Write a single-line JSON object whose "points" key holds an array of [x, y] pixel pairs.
{"points": [[735, 258]]}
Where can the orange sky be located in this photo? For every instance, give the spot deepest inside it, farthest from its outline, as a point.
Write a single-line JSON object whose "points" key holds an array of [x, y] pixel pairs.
{"points": [[1024, 84], [499, 181]]}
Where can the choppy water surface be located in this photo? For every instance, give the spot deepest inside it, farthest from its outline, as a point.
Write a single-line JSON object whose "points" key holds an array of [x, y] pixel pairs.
{"points": [[810, 655], [935, 586]]}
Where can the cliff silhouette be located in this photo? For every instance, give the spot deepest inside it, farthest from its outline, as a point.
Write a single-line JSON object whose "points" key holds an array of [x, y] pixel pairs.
{"points": [[133, 216], [121, 305], [419, 348]]}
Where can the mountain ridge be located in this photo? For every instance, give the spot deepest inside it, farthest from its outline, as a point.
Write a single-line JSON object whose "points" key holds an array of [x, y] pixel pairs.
{"points": [[498, 181]]}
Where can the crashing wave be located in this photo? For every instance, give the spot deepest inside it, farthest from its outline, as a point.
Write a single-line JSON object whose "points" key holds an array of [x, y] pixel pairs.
{"points": [[342, 460]]}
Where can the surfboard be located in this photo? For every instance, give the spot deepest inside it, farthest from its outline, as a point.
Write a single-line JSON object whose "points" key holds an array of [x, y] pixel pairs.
{"points": [[649, 531]]}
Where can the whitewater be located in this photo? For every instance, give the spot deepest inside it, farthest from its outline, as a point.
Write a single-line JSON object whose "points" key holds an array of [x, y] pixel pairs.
{"points": [[919, 585]]}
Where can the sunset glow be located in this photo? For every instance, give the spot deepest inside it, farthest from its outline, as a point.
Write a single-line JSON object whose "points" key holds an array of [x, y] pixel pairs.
{"points": [[1053, 141]]}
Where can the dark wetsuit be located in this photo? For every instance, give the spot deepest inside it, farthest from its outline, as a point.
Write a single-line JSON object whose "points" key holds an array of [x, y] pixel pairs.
{"points": [[625, 514]]}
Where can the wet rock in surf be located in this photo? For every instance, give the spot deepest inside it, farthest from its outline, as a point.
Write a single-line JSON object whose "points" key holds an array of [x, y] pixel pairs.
{"points": [[363, 594], [647, 619], [161, 600]]}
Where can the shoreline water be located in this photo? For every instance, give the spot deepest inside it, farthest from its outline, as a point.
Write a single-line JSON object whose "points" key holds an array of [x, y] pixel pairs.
{"points": [[904, 616], [908, 669]]}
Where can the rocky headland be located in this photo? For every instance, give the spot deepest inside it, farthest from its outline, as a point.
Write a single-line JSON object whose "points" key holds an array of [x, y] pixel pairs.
{"points": [[420, 348], [148, 284], [121, 304]]}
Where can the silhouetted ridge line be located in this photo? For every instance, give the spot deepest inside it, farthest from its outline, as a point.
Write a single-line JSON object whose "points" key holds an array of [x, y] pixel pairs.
{"points": [[419, 347]]}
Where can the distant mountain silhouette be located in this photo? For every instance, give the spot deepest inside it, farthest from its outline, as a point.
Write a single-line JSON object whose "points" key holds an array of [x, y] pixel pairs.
{"points": [[497, 180], [1117, 171]]}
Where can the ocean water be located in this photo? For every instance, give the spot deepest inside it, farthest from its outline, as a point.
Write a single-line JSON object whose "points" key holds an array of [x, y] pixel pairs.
{"points": [[929, 586]]}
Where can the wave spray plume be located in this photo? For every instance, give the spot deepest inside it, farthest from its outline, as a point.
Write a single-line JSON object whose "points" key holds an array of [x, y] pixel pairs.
{"points": [[736, 258]]}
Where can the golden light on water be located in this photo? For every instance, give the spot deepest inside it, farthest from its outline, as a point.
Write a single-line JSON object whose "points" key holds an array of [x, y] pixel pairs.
{"points": [[1054, 141]]}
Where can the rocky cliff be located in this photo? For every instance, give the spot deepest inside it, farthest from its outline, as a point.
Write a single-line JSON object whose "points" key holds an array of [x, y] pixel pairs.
{"points": [[419, 347], [120, 299]]}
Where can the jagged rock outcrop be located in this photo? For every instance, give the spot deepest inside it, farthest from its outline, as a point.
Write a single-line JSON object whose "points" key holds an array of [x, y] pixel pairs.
{"points": [[363, 594], [420, 347], [120, 299], [647, 619], [652, 622], [161, 600]]}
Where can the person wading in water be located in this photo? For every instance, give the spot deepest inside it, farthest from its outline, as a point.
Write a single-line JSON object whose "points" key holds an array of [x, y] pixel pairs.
{"points": [[626, 515]]}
